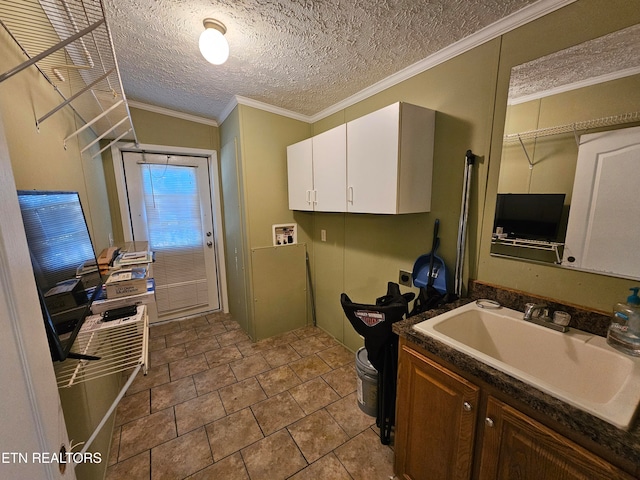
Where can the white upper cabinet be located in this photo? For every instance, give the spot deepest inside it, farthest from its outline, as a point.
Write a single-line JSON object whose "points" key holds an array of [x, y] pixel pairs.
{"points": [[300, 174], [379, 163], [390, 160], [330, 170], [317, 172]]}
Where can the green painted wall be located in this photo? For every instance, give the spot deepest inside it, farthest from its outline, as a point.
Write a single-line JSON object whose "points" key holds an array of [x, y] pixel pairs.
{"points": [[234, 221], [254, 173], [158, 129], [364, 252], [576, 23]]}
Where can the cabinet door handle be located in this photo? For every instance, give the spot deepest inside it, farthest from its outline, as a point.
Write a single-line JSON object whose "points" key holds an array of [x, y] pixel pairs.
{"points": [[309, 196], [315, 196], [466, 406], [350, 194], [489, 422]]}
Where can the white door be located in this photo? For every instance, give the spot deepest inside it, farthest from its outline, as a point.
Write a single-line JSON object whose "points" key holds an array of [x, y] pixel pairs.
{"points": [[603, 231], [170, 207]]}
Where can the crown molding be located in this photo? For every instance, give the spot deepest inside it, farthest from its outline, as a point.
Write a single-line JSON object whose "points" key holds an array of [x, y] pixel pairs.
{"points": [[233, 103], [172, 113], [502, 26]]}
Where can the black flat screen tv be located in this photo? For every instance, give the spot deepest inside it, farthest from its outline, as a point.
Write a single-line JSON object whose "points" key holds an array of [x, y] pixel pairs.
{"points": [[64, 264], [531, 216]]}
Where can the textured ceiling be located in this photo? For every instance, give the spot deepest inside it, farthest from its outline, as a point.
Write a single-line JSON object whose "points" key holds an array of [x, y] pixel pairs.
{"points": [[300, 55], [603, 58]]}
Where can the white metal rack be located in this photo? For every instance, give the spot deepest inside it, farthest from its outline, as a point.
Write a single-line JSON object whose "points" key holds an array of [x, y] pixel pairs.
{"points": [[575, 127], [70, 43], [533, 244], [121, 346]]}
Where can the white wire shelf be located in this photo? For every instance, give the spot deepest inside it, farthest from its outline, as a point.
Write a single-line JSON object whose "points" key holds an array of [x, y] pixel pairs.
{"points": [[532, 244], [120, 347], [630, 117], [69, 42]]}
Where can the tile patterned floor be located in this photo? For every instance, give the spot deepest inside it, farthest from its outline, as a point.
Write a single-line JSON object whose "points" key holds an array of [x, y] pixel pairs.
{"points": [[214, 405]]}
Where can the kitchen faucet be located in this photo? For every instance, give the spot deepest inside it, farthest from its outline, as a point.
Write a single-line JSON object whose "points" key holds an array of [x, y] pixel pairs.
{"points": [[538, 313], [535, 310]]}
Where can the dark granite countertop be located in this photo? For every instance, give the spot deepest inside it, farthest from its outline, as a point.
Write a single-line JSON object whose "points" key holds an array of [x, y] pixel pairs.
{"points": [[624, 444]]}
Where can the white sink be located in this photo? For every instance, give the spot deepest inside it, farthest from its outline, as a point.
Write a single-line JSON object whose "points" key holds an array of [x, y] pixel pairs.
{"points": [[576, 367]]}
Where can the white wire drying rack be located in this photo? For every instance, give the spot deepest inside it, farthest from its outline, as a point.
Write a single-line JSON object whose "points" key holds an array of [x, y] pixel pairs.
{"points": [[70, 43], [121, 347]]}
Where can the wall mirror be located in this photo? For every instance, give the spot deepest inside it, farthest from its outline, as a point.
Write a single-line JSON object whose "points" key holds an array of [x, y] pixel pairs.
{"points": [[556, 105]]}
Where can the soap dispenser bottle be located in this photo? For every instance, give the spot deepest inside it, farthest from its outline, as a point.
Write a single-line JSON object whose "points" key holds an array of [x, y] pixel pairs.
{"points": [[624, 331]]}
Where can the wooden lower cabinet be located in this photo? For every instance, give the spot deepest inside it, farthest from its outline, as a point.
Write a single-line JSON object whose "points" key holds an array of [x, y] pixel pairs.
{"points": [[516, 447], [435, 420], [438, 414]]}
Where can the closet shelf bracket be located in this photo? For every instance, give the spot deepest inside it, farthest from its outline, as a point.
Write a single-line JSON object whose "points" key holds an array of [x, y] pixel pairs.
{"points": [[526, 154]]}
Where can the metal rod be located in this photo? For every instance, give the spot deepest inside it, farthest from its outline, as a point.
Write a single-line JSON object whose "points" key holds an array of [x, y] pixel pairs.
{"points": [[72, 20], [72, 98], [462, 226], [88, 124], [111, 409], [103, 135], [526, 154], [111, 143], [49, 51], [113, 52]]}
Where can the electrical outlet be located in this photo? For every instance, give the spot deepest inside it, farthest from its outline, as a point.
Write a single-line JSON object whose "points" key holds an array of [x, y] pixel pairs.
{"points": [[405, 278]]}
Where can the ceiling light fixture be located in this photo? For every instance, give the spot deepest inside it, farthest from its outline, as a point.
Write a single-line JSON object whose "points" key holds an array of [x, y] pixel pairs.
{"points": [[213, 46]]}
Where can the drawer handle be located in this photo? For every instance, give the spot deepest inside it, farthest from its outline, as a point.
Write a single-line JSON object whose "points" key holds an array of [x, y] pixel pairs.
{"points": [[466, 406], [489, 422]]}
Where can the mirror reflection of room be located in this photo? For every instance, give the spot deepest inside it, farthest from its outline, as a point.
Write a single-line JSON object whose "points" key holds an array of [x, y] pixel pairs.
{"points": [[553, 102]]}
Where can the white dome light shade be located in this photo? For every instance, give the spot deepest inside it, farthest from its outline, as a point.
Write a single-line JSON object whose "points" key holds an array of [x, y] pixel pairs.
{"points": [[213, 45]]}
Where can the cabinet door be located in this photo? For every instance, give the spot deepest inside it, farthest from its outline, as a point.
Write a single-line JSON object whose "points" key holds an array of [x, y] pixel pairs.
{"points": [[330, 170], [516, 446], [436, 417], [300, 175], [372, 166]]}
